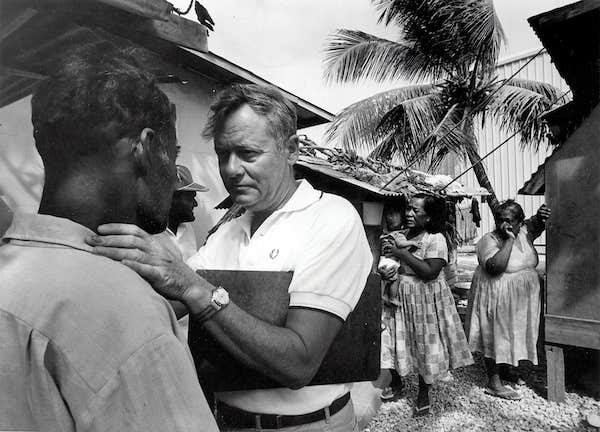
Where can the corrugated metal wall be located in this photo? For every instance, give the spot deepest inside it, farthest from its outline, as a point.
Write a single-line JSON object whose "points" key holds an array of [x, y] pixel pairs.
{"points": [[509, 167]]}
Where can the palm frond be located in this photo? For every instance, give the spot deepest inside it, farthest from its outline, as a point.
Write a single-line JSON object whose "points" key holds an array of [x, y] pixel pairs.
{"points": [[450, 33], [353, 55], [447, 137], [356, 126], [413, 120], [485, 34], [551, 92], [518, 109], [419, 129]]}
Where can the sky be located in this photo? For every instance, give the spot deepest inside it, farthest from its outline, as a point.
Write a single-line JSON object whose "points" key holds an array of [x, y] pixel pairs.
{"points": [[283, 40]]}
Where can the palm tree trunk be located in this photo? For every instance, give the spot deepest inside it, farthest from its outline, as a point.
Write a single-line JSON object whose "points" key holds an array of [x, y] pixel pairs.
{"points": [[476, 161], [482, 178]]}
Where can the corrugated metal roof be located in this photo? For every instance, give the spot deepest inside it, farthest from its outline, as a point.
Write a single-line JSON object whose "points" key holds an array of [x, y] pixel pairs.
{"points": [[402, 185], [323, 168]]}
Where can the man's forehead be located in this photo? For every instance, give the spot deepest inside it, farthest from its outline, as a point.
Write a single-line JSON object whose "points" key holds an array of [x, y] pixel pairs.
{"points": [[247, 138], [240, 145]]}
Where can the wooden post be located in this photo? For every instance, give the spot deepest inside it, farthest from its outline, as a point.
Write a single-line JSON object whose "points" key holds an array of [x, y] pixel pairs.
{"points": [[555, 364]]}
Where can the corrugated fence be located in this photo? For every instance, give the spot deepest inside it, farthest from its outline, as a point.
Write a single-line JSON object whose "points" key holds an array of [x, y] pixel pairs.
{"points": [[510, 167]]}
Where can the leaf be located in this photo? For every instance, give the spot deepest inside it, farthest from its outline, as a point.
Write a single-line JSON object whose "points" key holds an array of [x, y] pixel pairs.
{"points": [[355, 127], [548, 90], [520, 109], [354, 55], [450, 33]]}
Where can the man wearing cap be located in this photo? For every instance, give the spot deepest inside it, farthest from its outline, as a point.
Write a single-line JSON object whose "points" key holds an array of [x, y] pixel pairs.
{"points": [[179, 237]]}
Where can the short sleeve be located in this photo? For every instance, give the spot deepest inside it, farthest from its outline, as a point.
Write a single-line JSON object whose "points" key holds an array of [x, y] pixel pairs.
{"points": [[398, 237], [156, 389], [436, 247], [334, 266], [487, 247]]}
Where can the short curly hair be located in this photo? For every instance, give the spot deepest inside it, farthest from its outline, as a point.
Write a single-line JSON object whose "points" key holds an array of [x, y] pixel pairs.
{"points": [[97, 96], [511, 205], [264, 100]]}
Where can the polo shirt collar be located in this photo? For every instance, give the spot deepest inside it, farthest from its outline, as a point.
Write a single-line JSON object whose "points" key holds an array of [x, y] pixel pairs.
{"points": [[52, 230], [304, 196]]}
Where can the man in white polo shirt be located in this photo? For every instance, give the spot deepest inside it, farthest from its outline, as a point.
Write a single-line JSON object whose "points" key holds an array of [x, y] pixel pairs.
{"points": [[287, 226]]}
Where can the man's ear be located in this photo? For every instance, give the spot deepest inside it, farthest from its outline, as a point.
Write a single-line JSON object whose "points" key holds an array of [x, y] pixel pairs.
{"points": [[141, 149], [291, 146]]}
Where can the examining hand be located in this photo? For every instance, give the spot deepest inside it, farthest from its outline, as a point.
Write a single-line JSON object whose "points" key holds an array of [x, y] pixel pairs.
{"points": [[138, 250]]}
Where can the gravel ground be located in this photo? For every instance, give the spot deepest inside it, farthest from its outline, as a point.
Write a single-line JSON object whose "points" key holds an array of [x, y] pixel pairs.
{"points": [[462, 405]]}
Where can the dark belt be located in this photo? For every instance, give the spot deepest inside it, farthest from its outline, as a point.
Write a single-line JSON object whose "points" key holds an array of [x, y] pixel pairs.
{"points": [[237, 418]]}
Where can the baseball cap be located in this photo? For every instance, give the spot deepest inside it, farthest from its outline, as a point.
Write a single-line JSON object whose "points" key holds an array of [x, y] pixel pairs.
{"points": [[185, 182]]}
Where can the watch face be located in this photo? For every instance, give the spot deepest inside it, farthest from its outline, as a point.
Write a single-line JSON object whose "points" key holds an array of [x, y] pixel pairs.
{"points": [[220, 296]]}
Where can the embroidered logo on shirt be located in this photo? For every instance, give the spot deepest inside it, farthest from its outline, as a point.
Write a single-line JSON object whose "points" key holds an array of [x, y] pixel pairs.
{"points": [[274, 253]]}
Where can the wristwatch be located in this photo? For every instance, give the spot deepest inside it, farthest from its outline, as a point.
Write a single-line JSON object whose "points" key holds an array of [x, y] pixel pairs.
{"points": [[219, 299]]}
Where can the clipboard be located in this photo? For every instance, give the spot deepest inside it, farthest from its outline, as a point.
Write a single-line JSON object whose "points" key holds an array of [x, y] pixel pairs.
{"points": [[353, 356]]}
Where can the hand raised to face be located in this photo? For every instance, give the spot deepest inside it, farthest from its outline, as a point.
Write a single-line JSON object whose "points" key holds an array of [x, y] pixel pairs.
{"points": [[506, 230]]}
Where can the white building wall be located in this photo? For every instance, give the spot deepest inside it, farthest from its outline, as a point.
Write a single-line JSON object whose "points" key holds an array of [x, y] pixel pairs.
{"points": [[510, 167]]}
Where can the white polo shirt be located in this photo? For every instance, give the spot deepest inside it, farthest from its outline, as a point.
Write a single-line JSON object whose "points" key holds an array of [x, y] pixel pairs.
{"points": [[184, 241], [320, 238]]}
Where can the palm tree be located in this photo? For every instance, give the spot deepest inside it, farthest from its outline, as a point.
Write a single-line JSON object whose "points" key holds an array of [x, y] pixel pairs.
{"points": [[450, 49]]}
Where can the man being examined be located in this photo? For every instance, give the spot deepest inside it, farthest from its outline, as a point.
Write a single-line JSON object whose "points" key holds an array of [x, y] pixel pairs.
{"points": [[86, 344], [287, 226]]}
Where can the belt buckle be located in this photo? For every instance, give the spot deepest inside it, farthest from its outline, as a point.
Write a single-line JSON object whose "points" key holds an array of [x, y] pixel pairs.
{"points": [[278, 421]]}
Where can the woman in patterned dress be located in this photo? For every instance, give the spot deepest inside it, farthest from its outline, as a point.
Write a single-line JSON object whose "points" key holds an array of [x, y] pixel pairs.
{"points": [[423, 330], [503, 314]]}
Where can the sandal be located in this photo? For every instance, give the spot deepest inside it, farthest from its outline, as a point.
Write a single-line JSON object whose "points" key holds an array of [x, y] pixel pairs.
{"points": [[390, 394], [421, 411], [505, 393], [422, 405]]}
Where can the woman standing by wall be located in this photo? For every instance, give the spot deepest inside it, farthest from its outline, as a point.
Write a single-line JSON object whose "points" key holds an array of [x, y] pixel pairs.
{"points": [[503, 315]]}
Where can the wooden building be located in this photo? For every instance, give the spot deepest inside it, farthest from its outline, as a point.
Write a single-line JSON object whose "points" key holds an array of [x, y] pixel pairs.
{"points": [[570, 180], [35, 34]]}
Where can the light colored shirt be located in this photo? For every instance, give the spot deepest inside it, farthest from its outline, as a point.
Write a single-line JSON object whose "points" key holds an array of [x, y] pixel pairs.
{"points": [[184, 241], [320, 238], [432, 246], [183, 246], [522, 255], [86, 344]]}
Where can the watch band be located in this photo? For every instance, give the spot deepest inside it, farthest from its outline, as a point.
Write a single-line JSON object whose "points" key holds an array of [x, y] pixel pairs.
{"points": [[205, 315]]}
